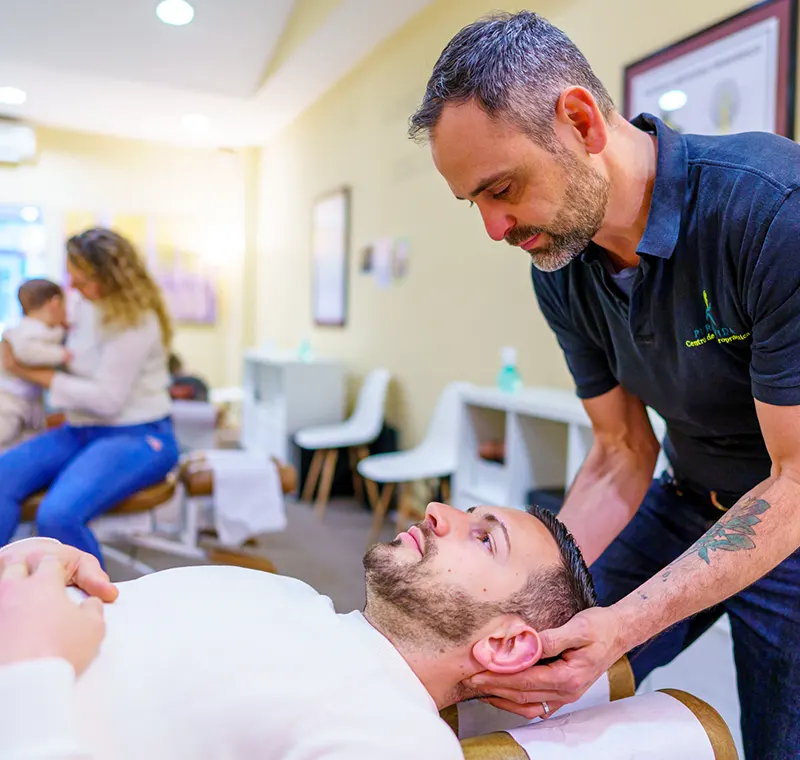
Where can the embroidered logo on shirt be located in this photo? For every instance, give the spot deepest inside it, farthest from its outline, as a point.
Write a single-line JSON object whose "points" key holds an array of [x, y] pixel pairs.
{"points": [[713, 331]]}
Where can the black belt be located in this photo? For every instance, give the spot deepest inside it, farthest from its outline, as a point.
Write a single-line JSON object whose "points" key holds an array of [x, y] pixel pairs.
{"points": [[712, 504]]}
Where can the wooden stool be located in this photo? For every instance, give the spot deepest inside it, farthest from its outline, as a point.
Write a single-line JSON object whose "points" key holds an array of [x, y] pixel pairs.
{"points": [[197, 479], [145, 500], [142, 501]]}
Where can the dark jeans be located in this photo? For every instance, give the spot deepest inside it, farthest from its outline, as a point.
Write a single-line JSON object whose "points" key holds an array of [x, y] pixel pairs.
{"points": [[765, 619], [87, 471]]}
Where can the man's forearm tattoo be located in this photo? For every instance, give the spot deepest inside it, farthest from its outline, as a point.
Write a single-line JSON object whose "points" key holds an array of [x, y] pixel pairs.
{"points": [[734, 532]]}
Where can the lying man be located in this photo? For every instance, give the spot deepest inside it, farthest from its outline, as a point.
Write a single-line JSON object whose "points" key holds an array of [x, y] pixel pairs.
{"points": [[221, 662]]}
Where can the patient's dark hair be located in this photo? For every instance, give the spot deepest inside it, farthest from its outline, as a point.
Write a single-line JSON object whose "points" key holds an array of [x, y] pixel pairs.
{"points": [[553, 595], [35, 293]]}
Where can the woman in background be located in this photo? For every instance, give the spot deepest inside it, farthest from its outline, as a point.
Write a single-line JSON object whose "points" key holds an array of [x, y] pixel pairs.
{"points": [[118, 436]]}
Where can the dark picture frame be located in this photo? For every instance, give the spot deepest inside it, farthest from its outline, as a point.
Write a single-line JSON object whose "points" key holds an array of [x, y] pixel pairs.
{"points": [[330, 257], [730, 75]]}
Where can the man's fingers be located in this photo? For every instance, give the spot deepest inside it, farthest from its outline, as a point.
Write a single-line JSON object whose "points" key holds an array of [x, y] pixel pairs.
{"points": [[569, 636], [93, 606], [527, 697], [14, 571], [526, 711], [540, 678], [51, 568], [92, 579]]}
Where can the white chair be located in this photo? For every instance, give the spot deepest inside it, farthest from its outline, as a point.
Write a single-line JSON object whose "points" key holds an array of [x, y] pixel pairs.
{"points": [[434, 458], [354, 434]]}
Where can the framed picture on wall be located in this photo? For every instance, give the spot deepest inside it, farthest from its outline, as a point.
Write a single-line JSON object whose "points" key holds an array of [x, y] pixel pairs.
{"points": [[330, 256], [736, 76]]}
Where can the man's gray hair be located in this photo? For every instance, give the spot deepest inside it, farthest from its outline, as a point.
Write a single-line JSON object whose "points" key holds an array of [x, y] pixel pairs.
{"points": [[515, 67]]}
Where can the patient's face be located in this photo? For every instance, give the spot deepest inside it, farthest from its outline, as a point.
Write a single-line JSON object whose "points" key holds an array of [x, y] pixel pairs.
{"points": [[450, 571]]}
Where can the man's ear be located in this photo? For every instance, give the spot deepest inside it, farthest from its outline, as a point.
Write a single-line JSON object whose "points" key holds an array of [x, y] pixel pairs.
{"points": [[577, 109], [511, 647]]}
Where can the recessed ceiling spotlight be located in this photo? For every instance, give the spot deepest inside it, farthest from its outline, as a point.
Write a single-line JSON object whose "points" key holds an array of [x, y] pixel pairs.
{"points": [[195, 121], [175, 12], [12, 96]]}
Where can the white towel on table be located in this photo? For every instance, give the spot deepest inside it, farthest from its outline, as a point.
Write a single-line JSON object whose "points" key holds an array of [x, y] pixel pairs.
{"points": [[248, 498]]}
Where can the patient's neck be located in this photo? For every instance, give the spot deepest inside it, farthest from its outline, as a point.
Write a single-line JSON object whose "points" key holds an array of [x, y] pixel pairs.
{"points": [[439, 665]]}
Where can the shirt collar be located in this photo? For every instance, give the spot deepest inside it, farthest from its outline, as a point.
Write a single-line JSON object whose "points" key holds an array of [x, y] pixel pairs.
{"points": [[669, 190]]}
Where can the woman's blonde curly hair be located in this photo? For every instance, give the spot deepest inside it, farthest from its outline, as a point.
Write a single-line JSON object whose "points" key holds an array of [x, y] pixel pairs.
{"points": [[129, 292]]}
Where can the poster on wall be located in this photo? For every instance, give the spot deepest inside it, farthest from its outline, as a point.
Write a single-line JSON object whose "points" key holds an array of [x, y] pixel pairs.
{"points": [[330, 243], [736, 76], [173, 249]]}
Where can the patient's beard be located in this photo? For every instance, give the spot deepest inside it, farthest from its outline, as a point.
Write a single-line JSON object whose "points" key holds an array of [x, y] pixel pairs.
{"points": [[412, 607]]}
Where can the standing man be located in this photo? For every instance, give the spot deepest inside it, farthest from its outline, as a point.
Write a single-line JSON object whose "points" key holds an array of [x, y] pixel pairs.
{"points": [[668, 267]]}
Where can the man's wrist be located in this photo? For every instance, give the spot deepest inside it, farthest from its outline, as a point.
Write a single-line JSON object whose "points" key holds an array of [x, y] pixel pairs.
{"points": [[632, 623]]}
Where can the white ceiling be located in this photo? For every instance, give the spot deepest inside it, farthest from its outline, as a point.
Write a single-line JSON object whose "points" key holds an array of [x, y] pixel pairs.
{"points": [[111, 67]]}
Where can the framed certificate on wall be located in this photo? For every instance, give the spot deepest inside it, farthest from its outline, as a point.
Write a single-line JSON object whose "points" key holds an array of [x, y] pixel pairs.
{"points": [[736, 76], [330, 256]]}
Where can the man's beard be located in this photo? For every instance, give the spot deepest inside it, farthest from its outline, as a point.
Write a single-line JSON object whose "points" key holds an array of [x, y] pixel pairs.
{"points": [[577, 221], [407, 603]]}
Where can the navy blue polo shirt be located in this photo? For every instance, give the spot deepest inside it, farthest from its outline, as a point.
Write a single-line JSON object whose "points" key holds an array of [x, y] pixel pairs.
{"points": [[713, 316]]}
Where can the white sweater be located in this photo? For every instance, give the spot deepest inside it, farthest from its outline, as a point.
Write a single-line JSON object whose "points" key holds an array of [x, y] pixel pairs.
{"points": [[117, 377], [223, 663], [36, 344]]}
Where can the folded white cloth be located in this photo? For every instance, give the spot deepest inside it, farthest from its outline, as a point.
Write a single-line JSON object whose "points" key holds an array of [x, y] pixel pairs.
{"points": [[248, 498]]}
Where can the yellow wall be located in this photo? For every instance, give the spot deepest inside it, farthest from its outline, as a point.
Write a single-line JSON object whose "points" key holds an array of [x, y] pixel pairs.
{"points": [[109, 176], [465, 296]]}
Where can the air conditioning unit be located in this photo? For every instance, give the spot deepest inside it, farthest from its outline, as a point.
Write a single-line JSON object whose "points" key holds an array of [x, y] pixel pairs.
{"points": [[17, 142]]}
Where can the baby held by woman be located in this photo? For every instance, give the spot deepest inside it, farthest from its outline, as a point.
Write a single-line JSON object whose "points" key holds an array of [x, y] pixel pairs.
{"points": [[38, 341]]}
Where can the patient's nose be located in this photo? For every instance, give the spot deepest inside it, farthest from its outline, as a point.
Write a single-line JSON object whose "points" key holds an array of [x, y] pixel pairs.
{"points": [[442, 517]]}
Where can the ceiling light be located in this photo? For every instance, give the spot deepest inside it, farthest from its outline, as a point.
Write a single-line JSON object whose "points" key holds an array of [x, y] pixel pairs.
{"points": [[12, 96], [29, 214], [195, 121], [175, 12], [672, 100]]}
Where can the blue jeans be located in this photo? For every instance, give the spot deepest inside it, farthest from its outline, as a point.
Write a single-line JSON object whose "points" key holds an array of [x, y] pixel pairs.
{"points": [[765, 619], [87, 471]]}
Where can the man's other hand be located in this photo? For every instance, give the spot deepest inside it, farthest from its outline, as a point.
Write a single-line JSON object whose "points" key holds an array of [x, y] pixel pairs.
{"points": [[80, 569], [586, 647], [38, 620]]}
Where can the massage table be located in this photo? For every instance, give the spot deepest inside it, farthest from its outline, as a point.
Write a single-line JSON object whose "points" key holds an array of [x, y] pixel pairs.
{"points": [[609, 722]]}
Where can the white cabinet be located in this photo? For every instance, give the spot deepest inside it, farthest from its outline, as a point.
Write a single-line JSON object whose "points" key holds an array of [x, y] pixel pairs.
{"points": [[281, 395], [547, 435]]}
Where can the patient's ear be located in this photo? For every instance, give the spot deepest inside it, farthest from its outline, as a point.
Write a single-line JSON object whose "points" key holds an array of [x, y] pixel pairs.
{"points": [[510, 647]]}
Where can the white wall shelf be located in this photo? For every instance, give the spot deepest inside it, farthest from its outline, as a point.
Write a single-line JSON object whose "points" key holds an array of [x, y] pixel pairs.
{"points": [[281, 395], [547, 436]]}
